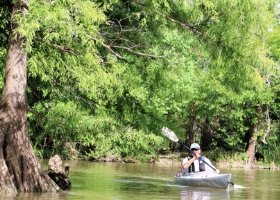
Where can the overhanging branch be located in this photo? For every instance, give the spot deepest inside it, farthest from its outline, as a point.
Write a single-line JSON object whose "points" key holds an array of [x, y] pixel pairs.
{"points": [[62, 48], [112, 51], [184, 25], [138, 53]]}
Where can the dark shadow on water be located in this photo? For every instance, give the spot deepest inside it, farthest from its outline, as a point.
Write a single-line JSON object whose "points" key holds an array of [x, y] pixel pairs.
{"points": [[34, 196]]}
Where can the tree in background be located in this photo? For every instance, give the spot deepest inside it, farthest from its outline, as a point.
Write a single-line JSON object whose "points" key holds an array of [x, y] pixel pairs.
{"points": [[234, 42]]}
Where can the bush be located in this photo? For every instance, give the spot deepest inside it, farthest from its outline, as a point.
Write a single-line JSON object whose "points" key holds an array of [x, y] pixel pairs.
{"points": [[127, 144]]}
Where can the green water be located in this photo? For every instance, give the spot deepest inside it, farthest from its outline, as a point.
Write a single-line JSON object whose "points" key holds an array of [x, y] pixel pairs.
{"points": [[118, 181]]}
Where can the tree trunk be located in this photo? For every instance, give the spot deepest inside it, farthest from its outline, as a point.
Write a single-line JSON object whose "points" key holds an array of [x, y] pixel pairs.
{"points": [[252, 140], [251, 150], [206, 134], [20, 171], [191, 127]]}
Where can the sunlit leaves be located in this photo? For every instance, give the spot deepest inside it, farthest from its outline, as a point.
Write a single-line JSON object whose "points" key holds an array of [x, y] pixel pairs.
{"points": [[108, 74]]}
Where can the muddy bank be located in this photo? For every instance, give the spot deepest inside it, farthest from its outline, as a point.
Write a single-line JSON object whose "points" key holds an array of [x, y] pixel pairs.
{"points": [[176, 159]]}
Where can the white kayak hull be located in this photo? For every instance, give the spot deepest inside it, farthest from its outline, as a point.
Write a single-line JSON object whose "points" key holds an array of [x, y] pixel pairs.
{"points": [[202, 179]]}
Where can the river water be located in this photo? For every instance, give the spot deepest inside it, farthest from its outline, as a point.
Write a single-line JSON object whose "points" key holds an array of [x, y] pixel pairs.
{"points": [[117, 181]]}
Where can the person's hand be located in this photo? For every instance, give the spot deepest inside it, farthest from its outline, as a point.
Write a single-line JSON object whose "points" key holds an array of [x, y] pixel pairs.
{"points": [[218, 171], [196, 155]]}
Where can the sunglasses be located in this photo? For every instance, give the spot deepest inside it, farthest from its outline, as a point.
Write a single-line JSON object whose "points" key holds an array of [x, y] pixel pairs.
{"points": [[194, 149]]}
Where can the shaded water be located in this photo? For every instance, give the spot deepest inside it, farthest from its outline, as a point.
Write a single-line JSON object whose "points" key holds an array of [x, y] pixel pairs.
{"points": [[118, 181]]}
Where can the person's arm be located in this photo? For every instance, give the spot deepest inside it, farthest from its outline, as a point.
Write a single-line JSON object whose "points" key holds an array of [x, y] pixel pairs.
{"points": [[187, 164], [209, 168]]}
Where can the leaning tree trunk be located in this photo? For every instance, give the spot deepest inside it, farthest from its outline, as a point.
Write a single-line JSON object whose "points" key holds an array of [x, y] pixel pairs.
{"points": [[252, 140], [251, 149], [20, 171]]}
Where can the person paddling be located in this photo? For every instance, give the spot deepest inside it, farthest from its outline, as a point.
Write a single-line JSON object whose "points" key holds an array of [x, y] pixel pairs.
{"points": [[197, 163]]}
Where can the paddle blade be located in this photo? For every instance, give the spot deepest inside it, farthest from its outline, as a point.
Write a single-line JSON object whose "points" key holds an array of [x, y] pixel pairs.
{"points": [[169, 134]]}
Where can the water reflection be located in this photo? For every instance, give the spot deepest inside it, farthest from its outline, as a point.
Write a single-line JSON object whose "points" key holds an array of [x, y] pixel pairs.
{"points": [[34, 196], [143, 181], [116, 181], [166, 188], [204, 194]]}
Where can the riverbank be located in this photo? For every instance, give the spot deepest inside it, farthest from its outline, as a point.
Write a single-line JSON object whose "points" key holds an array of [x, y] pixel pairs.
{"points": [[176, 159], [220, 159]]}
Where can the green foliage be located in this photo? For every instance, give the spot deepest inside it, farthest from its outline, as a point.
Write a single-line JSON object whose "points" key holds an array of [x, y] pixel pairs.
{"points": [[128, 144], [226, 156], [65, 123], [105, 76], [4, 24]]}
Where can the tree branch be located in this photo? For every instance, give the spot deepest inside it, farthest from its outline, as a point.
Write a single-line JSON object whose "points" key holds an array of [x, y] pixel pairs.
{"points": [[184, 25], [268, 121], [62, 48], [112, 51], [138, 53]]}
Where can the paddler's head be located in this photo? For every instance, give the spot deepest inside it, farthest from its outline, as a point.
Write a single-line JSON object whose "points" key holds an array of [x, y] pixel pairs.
{"points": [[194, 147]]}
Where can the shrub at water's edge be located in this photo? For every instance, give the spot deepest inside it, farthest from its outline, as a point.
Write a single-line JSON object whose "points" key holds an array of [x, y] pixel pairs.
{"points": [[129, 145]]}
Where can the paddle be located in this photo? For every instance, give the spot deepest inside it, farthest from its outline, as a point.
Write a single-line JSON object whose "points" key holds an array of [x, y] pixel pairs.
{"points": [[173, 137]]}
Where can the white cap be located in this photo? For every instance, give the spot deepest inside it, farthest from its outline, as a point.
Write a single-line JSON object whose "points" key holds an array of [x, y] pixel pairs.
{"points": [[195, 146]]}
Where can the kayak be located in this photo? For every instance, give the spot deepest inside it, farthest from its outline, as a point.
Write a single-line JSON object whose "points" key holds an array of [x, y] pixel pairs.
{"points": [[204, 179]]}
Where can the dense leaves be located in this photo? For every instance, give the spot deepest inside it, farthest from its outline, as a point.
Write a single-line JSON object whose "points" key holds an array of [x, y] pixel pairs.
{"points": [[105, 76]]}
